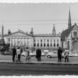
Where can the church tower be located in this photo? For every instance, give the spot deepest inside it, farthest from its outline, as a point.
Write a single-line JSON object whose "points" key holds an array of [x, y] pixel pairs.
{"points": [[31, 32], [54, 30], [69, 20]]}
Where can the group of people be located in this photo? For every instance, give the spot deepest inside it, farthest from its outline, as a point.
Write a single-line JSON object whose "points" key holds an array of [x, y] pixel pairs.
{"points": [[16, 56], [18, 51], [65, 55]]}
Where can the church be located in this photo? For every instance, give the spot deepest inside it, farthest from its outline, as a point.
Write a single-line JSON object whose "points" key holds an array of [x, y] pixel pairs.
{"points": [[69, 37]]}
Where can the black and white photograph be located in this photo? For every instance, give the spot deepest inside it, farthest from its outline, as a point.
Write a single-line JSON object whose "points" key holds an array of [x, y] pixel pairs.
{"points": [[38, 39]]}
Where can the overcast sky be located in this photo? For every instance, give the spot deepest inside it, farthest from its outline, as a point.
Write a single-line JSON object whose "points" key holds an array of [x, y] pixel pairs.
{"points": [[41, 17]]}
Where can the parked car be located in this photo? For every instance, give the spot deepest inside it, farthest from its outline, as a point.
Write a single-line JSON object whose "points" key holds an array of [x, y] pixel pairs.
{"points": [[7, 53], [42, 53], [51, 54], [31, 54], [23, 53]]}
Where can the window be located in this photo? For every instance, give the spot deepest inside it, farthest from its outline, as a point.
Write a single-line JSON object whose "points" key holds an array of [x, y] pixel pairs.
{"points": [[57, 40], [8, 39], [41, 44], [54, 45], [44, 45], [54, 40], [47, 40], [51, 40], [47, 45], [34, 44], [41, 40], [51, 45], [37, 44], [57, 45], [34, 40], [75, 34]]}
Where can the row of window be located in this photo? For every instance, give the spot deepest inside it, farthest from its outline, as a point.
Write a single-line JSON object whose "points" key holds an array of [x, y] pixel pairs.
{"points": [[41, 40], [48, 45]]}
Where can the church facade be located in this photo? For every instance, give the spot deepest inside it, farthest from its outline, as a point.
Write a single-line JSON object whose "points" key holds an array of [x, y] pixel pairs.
{"points": [[69, 37]]}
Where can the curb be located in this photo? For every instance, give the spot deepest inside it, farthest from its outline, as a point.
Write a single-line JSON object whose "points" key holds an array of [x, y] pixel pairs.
{"points": [[40, 63]]}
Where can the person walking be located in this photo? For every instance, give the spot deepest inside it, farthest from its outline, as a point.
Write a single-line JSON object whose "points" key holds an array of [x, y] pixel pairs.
{"points": [[66, 55], [13, 54], [27, 54], [59, 54], [18, 53], [38, 54]]}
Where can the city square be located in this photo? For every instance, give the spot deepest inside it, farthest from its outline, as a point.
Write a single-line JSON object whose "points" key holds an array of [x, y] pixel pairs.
{"points": [[38, 39]]}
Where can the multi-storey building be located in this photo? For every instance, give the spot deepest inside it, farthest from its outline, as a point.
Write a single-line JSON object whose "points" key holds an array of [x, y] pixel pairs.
{"points": [[33, 41]]}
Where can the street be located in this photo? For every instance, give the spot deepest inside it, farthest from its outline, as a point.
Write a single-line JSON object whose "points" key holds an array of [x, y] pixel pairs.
{"points": [[48, 66], [37, 69]]}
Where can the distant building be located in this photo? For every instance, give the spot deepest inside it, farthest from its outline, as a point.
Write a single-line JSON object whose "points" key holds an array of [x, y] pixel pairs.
{"points": [[43, 41], [69, 37]]}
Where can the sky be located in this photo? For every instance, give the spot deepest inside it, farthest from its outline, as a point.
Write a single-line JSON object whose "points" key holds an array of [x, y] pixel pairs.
{"points": [[39, 16]]}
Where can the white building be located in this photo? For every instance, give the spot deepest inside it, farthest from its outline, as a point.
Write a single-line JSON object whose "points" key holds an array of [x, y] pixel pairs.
{"points": [[34, 41]]}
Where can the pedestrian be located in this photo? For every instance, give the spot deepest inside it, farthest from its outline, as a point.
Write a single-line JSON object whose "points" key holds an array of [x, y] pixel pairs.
{"points": [[66, 55], [27, 54], [59, 54], [18, 54], [38, 54], [13, 54]]}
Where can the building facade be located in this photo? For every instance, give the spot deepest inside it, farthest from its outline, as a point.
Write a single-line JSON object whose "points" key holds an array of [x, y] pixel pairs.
{"points": [[69, 37], [33, 41]]}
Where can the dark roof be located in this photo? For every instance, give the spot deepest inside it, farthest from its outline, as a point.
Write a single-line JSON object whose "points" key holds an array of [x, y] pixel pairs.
{"points": [[66, 33]]}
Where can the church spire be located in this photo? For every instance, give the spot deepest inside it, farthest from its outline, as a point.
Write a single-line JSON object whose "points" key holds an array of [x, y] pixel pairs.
{"points": [[69, 20], [54, 30]]}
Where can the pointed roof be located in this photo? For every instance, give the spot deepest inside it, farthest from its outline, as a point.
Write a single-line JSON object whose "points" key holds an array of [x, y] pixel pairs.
{"points": [[54, 30], [69, 20], [66, 32]]}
